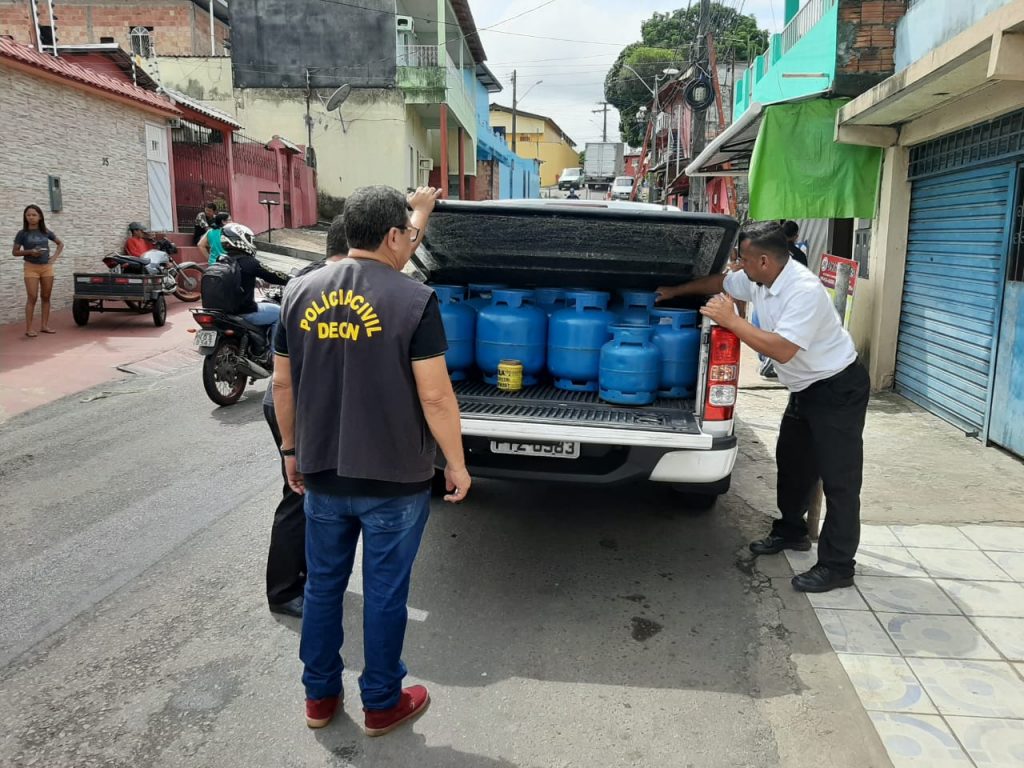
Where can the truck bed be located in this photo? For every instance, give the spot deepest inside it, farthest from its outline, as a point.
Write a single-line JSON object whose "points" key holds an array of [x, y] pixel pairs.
{"points": [[544, 404]]}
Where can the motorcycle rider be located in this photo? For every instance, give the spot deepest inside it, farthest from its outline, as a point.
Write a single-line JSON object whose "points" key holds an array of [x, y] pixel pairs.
{"points": [[240, 243]]}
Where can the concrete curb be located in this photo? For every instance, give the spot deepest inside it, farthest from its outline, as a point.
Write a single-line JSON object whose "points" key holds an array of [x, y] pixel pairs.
{"points": [[285, 250]]}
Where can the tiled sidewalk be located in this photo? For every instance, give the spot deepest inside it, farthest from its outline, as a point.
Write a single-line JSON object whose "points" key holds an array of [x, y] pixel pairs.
{"points": [[933, 640]]}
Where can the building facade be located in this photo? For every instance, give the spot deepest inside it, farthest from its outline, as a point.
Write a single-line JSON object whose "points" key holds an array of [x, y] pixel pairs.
{"points": [[144, 27], [97, 141], [501, 174], [537, 138], [947, 247]]}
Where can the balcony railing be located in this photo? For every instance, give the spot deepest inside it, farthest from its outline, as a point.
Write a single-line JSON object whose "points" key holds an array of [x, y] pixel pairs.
{"points": [[417, 56], [804, 21]]}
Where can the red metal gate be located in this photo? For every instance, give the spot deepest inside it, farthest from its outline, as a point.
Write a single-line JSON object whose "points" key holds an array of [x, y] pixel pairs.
{"points": [[200, 172]]}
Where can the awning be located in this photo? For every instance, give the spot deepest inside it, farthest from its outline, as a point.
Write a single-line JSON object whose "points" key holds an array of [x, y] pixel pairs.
{"points": [[732, 147], [197, 106], [735, 145]]}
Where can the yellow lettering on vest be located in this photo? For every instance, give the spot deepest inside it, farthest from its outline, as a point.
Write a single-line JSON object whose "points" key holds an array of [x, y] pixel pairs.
{"points": [[310, 314], [348, 299], [358, 302], [332, 298], [304, 325], [372, 329], [368, 315], [334, 331], [353, 331], [326, 303], [319, 310], [323, 330]]}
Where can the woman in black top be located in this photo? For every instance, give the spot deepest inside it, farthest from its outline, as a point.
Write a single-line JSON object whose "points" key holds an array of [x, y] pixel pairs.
{"points": [[32, 244]]}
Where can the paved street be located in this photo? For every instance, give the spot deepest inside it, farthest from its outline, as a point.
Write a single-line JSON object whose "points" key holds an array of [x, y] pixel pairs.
{"points": [[555, 627]]}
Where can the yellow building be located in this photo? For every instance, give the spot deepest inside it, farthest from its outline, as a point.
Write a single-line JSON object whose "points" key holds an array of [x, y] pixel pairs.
{"points": [[538, 138]]}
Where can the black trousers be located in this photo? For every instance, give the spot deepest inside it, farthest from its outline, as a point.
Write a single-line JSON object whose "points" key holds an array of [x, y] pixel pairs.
{"points": [[822, 436], [286, 561]]}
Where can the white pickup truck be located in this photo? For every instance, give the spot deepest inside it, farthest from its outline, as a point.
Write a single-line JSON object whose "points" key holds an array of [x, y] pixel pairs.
{"points": [[542, 433]]}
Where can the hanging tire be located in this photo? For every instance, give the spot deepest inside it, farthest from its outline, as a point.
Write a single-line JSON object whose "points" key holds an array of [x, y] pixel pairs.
{"points": [[223, 381], [80, 311], [189, 282], [160, 311]]}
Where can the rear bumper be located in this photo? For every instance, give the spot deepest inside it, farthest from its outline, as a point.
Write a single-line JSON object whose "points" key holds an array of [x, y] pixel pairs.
{"points": [[610, 464]]}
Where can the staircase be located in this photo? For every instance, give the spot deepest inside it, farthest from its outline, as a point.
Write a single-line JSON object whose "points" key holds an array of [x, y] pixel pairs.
{"points": [[186, 251]]}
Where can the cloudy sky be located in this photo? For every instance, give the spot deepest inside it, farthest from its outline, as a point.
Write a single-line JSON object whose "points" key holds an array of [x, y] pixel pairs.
{"points": [[573, 72]]}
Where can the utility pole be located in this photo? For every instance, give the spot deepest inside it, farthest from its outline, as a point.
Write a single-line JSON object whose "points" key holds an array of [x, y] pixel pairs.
{"points": [[604, 109], [515, 104], [698, 138]]}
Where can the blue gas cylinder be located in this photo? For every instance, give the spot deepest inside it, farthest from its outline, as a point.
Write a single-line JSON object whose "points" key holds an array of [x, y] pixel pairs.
{"points": [[636, 307], [460, 329], [630, 366], [550, 299], [512, 327], [480, 294], [575, 337], [677, 336]]}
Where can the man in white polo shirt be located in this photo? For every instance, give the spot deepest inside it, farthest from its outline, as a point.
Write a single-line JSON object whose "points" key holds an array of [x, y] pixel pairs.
{"points": [[822, 429]]}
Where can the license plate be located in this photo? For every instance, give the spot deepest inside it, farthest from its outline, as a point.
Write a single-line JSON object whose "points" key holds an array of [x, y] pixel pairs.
{"points": [[549, 450], [206, 338]]}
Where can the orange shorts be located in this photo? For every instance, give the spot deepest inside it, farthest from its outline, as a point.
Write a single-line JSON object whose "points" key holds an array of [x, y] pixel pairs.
{"points": [[38, 270]]}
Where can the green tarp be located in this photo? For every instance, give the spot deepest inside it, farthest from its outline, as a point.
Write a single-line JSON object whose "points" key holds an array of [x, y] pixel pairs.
{"points": [[798, 171]]}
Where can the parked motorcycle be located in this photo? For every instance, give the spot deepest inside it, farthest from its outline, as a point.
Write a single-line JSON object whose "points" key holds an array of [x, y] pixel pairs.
{"points": [[236, 352], [183, 280]]}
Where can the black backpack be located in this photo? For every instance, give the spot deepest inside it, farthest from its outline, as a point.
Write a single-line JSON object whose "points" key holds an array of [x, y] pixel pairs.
{"points": [[222, 286]]}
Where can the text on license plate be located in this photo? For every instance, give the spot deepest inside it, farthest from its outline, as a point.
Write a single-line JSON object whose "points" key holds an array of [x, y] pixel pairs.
{"points": [[206, 338], [550, 450]]}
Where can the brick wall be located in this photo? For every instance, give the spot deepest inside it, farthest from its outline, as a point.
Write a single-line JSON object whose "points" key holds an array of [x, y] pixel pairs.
{"points": [[180, 28], [97, 147], [867, 38], [485, 185]]}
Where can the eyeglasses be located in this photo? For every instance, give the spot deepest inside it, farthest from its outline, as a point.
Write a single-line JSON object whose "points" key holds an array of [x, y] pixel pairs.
{"points": [[415, 230]]}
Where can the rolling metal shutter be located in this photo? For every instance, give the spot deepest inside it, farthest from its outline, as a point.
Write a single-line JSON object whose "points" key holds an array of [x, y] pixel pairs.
{"points": [[951, 292]]}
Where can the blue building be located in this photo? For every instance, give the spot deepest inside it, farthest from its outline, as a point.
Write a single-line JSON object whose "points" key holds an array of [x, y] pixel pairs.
{"points": [[501, 173]]}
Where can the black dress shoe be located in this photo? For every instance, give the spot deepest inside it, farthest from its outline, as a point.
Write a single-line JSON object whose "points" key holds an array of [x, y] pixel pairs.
{"points": [[772, 545], [292, 608], [820, 578]]}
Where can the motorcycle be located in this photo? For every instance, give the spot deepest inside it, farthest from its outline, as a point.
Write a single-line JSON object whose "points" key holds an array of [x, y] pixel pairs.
{"points": [[183, 280], [236, 352]]}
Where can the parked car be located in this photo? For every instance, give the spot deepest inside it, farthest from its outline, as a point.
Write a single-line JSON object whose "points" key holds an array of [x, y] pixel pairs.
{"points": [[571, 178], [546, 434], [622, 188]]}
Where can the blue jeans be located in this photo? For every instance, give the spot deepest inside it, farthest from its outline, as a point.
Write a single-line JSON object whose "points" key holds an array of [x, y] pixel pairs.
{"points": [[267, 313], [392, 529]]}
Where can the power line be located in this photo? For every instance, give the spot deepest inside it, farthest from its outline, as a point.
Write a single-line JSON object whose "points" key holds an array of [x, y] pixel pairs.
{"points": [[519, 15]]}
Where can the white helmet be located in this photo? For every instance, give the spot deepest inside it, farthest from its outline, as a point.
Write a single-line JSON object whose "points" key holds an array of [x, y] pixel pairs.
{"points": [[238, 239]]}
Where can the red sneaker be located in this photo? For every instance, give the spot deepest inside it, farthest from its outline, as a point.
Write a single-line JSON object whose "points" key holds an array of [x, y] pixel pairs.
{"points": [[413, 703], [319, 712]]}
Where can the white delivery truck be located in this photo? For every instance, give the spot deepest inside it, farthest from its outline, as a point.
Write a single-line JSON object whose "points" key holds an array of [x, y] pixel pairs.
{"points": [[603, 162]]}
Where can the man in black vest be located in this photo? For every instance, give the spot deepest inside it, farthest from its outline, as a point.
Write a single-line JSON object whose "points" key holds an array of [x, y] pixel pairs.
{"points": [[286, 559], [361, 392]]}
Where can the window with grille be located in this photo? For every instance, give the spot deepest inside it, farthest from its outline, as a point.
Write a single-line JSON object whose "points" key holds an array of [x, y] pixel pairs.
{"points": [[982, 143], [141, 39]]}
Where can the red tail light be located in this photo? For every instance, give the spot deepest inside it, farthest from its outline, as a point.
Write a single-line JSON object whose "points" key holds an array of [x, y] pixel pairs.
{"points": [[203, 319], [723, 375]]}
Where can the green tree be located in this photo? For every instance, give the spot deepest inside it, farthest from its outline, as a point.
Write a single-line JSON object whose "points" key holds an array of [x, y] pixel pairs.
{"points": [[735, 33], [628, 90], [669, 40]]}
